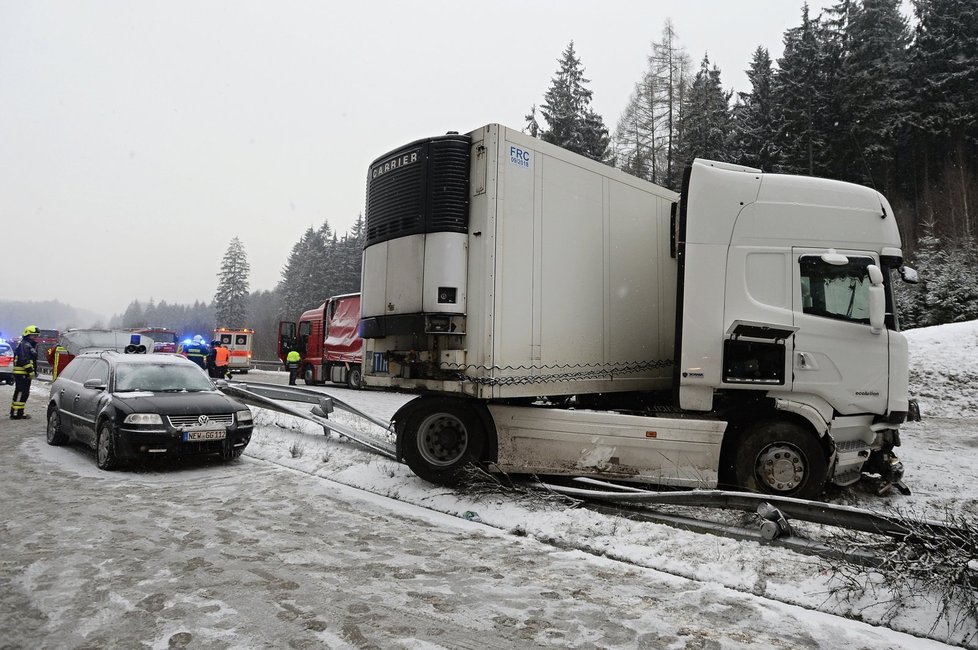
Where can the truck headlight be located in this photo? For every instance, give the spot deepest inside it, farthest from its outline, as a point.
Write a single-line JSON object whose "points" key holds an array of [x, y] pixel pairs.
{"points": [[243, 417], [143, 418]]}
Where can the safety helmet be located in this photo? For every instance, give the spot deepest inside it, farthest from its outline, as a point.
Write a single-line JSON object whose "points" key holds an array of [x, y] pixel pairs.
{"points": [[215, 342], [31, 330], [198, 339]]}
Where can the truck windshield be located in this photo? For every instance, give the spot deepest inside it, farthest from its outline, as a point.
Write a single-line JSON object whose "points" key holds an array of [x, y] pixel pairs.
{"points": [[836, 291]]}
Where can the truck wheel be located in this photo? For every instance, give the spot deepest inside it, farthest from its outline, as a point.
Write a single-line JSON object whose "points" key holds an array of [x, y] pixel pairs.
{"points": [[309, 376], [353, 377], [781, 458], [440, 438]]}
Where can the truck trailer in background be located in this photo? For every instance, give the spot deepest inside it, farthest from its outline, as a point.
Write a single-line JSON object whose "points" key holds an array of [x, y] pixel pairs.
{"points": [[559, 316], [328, 340]]}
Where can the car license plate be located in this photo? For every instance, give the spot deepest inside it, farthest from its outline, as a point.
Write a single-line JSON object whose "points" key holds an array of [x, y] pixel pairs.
{"points": [[191, 436]]}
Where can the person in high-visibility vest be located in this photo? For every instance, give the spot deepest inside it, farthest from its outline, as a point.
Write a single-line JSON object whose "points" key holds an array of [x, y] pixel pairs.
{"points": [[219, 361], [25, 369], [55, 354], [292, 363]]}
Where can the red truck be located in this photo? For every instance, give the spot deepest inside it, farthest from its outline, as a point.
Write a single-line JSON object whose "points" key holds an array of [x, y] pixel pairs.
{"points": [[164, 340], [328, 339]]}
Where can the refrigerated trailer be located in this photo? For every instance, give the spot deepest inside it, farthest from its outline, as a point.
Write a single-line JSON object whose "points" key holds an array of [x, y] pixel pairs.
{"points": [[559, 316]]}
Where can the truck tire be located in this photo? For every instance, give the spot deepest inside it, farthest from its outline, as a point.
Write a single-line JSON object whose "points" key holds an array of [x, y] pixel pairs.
{"points": [[309, 376], [439, 438], [353, 377], [782, 458]]}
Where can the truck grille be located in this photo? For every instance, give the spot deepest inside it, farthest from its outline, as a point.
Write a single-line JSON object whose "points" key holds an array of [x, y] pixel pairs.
{"points": [[192, 421]]}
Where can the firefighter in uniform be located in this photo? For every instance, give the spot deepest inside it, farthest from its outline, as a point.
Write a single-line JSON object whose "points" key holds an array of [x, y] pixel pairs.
{"points": [[25, 369], [196, 350], [218, 361]]}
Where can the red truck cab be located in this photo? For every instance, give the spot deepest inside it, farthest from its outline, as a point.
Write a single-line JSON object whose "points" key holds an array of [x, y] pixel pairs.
{"points": [[328, 340], [164, 340]]}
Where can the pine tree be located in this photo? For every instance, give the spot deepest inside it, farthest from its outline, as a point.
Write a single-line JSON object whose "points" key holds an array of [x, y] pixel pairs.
{"points": [[706, 122], [802, 96], [571, 123], [231, 298], [669, 64], [944, 116], [875, 88], [532, 127], [755, 118]]}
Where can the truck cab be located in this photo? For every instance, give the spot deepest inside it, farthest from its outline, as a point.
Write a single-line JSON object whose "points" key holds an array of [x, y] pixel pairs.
{"points": [[328, 340]]}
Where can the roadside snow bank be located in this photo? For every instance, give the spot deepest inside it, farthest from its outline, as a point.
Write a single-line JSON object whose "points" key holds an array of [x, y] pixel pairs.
{"points": [[944, 369]]}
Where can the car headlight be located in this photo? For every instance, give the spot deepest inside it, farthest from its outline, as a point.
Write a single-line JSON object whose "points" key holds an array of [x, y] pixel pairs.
{"points": [[143, 418], [243, 417]]}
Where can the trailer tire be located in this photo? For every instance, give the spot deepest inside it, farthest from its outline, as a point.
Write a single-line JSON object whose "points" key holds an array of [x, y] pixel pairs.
{"points": [[354, 377], [782, 458], [440, 438]]}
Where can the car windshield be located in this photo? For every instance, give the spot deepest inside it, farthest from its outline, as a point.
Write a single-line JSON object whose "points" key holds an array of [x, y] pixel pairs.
{"points": [[5, 350], [160, 378]]}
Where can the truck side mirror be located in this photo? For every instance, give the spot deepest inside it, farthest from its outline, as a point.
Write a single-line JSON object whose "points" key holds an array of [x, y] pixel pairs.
{"points": [[877, 299], [909, 275]]}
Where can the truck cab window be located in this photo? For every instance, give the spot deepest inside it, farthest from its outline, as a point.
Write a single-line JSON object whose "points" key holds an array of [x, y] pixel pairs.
{"points": [[836, 291]]}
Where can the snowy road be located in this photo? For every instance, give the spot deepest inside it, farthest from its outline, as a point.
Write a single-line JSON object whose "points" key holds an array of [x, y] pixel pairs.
{"points": [[254, 554]]}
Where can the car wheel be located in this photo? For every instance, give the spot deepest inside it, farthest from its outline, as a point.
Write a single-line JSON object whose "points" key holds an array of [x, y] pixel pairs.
{"points": [[353, 377], [56, 436], [440, 438], [781, 458], [232, 454], [105, 456]]}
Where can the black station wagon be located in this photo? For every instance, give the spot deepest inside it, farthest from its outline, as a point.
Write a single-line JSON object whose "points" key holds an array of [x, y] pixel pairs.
{"points": [[128, 406]]}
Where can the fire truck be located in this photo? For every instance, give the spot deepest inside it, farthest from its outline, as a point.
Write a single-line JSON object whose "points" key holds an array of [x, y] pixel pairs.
{"points": [[239, 342], [164, 340], [328, 339]]}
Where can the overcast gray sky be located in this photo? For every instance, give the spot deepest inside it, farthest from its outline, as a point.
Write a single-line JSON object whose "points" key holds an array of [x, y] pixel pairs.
{"points": [[138, 138]]}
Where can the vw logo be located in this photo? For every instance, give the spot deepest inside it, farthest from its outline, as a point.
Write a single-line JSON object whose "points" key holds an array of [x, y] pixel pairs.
{"points": [[202, 420]]}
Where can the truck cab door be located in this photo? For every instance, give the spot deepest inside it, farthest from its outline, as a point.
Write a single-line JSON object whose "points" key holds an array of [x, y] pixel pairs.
{"points": [[286, 338], [837, 353]]}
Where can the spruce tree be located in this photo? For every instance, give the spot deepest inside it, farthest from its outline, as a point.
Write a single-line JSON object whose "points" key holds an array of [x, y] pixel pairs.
{"points": [[755, 118], [802, 96], [706, 121], [231, 298], [571, 123], [875, 88]]}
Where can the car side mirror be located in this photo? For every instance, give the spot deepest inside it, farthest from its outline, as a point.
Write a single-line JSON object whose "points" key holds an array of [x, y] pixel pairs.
{"points": [[94, 384], [877, 299]]}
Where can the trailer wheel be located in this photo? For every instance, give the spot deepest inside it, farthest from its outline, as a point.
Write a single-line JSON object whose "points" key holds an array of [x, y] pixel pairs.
{"points": [[440, 438], [781, 458]]}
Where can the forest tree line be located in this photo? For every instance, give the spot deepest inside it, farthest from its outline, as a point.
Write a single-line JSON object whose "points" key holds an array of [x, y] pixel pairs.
{"points": [[858, 94]]}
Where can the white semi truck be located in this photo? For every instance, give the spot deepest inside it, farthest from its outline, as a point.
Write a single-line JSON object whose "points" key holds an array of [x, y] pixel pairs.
{"points": [[558, 316]]}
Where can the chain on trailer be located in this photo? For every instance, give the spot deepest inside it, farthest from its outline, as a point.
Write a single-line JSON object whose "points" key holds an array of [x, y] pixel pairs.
{"points": [[625, 500], [572, 372]]}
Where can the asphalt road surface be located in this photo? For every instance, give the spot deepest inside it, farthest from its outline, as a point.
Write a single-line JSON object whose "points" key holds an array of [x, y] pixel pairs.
{"points": [[251, 554]]}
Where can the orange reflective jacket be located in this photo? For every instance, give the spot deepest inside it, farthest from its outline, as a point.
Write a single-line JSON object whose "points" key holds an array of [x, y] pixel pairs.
{"points": [[222, 356]]}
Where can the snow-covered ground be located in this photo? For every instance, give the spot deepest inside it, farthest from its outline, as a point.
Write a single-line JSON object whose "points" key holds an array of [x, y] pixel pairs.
{"points": [[487, 569]]}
